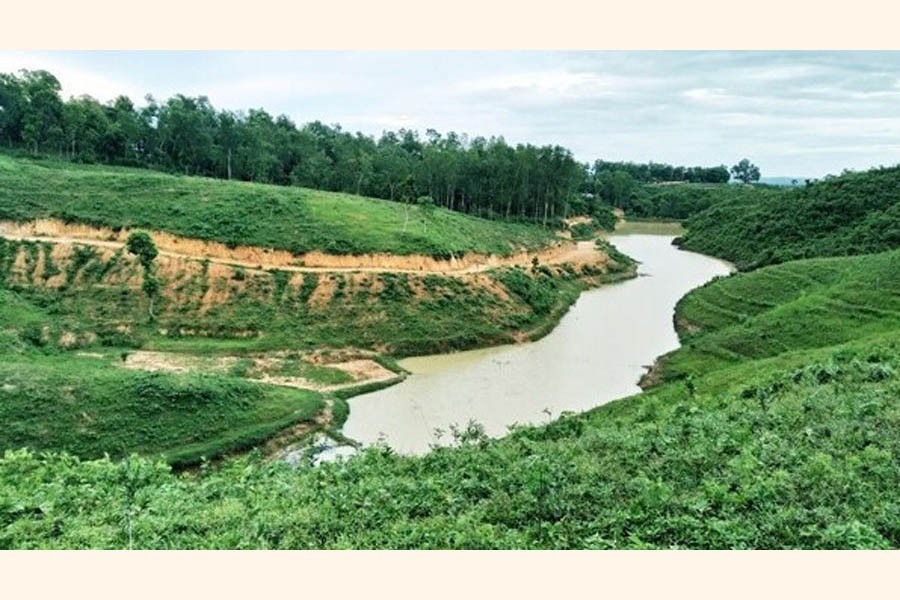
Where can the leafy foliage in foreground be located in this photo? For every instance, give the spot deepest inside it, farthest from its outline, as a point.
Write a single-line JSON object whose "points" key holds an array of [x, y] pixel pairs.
{"points": [[855, 213], [235, 213], [778, 453]]}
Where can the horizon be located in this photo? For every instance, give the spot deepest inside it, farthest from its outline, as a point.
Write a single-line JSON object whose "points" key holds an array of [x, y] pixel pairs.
{"points": [[798, 115]]}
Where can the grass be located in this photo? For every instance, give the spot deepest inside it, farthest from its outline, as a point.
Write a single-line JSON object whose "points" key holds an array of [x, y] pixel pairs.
{"points": [[400, 314], [83, 402], [785, 308], [238, 213], [776, 425], [89, 407], [57, 395], [654, 226]]}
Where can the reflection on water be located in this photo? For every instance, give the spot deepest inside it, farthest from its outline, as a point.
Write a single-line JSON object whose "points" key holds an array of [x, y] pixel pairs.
{"points": [[597, 353]]}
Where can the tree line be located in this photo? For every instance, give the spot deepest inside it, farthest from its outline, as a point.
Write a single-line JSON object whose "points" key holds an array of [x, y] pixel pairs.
{"points": [[482, 176], [653, 172]]}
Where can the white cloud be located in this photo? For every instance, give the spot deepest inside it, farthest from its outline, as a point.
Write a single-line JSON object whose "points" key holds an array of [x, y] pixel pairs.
{"points": [[258, 90], [707, 95], [555, 84]]}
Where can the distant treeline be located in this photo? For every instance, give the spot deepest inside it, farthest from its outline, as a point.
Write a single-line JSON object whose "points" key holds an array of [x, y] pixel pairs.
{"points": [[482, 176], [658, 172]]}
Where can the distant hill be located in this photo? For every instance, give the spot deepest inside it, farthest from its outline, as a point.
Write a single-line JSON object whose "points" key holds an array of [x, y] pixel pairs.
{"points": [[855, 213]]}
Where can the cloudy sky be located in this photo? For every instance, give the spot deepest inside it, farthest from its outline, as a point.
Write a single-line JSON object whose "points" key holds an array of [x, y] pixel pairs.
{"points": [[799, 114]]}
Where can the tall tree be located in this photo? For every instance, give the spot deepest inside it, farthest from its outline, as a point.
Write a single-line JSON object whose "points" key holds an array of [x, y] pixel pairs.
{"points": [[745, 171], [42, 122]]}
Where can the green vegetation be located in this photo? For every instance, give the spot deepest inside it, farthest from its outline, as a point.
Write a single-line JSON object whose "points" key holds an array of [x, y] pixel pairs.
{"points": [[796, 306], [52, 397], [654, 172], [297, 220], [745, 171], [399, 313], [604, 220], [775, 425], [89, 407], [186, 135], [678, 202], [62, 385], [779, 428], [855, 213], [141, 245], [795, 452]]}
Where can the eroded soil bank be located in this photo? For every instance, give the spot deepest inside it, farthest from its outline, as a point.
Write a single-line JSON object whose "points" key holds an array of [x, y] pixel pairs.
{"points": [[55, 231]]}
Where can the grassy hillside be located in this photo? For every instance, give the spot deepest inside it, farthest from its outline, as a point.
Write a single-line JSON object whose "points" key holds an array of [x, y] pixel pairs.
{"points": [[783, 308], [237, 213], [777, 453], [856, 213], [89, 408], [791, 443], [83, 402]]}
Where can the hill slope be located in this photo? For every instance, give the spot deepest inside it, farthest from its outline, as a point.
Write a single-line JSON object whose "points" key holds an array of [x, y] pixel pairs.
{"points": [[856, 213], [784, 308], [236, 213]]}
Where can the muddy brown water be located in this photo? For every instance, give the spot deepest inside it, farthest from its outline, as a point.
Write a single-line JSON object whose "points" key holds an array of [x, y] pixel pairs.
{"points": [[596, 354]]}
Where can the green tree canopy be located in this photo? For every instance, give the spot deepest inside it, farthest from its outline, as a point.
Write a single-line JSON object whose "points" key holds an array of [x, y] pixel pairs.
{"points": [[745, 171]]}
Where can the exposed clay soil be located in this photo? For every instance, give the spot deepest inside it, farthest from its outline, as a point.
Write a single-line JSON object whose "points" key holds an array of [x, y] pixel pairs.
{"points": [[360, 370], [53, 231]]}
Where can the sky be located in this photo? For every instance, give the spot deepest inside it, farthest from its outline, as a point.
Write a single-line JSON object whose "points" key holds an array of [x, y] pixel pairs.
{"points": [[794, 114]]}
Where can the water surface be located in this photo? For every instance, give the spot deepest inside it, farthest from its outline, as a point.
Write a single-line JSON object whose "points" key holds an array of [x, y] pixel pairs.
{"points": [[597, 353]]}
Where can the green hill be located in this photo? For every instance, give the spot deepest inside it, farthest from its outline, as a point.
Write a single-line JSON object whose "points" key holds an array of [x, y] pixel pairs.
{"points": [[86, 404], [680, 201], [236, 213], [783, 308], [855, 213]]}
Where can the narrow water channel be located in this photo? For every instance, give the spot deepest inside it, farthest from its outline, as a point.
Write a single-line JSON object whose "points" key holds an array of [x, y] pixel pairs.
{"points": [[596, 354]]}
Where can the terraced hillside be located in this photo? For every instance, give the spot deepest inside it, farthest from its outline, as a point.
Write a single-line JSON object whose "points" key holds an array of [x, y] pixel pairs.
{"points": [[784, 308]]}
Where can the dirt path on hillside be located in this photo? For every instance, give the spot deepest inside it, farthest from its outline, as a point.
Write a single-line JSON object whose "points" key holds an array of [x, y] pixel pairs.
{"points": [[264, 259]]}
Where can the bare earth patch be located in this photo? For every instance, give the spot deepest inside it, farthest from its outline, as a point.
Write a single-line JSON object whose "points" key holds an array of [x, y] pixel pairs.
{"points": [[265, 368]]}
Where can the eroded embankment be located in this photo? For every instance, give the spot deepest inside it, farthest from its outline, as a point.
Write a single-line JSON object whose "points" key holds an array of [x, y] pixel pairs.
{"points": [[99, 284], [55, 231]]}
